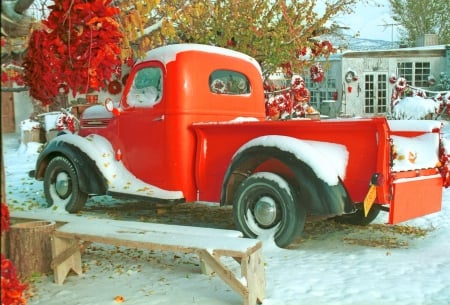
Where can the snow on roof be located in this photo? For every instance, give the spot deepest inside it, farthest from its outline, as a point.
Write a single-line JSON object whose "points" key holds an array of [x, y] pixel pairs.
{"points": [[168, 53]]}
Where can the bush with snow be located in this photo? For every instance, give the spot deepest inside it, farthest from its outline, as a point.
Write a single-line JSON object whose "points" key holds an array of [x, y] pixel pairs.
{"points": [[414, 108]]}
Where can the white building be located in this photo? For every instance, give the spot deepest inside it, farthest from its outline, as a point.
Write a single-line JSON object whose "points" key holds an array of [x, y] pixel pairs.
{"points": [[361, 78]]}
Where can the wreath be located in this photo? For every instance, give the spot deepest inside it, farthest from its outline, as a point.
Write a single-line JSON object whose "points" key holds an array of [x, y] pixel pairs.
{"points": [[400, 84], [218, 86], [351, 76], [114, 87]]}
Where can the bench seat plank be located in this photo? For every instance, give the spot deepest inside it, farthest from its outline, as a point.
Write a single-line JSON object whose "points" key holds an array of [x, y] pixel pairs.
{"points": [[71, 218], [153, 239], [209, 244]]}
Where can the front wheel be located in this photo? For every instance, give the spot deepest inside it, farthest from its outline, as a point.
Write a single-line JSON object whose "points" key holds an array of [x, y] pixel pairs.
{"points": [[61, 185], [265, 204]]}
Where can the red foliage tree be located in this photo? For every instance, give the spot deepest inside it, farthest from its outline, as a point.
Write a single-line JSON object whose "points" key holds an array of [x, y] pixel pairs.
{"points": [[11, 288], [77, 47]]}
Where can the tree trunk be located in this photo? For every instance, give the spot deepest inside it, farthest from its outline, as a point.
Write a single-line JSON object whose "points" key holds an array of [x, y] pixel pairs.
{"points": [[14, 23], [30, 247], [22, 5]]}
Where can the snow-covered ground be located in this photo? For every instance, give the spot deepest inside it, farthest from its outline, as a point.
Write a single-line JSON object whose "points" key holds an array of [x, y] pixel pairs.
{"points": [[331, 264]]}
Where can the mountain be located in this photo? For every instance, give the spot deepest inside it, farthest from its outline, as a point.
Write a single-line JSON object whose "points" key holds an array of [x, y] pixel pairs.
{"points": [[348, 42]]}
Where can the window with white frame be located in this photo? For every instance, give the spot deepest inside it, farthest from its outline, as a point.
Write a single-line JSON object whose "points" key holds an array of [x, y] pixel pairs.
{"points": [[416, 73], [321, 91]]}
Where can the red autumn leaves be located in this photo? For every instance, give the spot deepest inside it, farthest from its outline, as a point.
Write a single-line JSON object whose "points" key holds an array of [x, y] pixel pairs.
{"points": [[78, 47], [11, 288]]}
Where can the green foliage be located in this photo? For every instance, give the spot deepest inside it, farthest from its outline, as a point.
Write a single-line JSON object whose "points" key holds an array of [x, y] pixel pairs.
{"points": [[419, 17], [273, 32]]}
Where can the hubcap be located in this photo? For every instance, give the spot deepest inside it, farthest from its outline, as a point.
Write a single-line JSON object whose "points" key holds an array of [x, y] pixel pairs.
{"points": [[62, 184], [265, 211]]}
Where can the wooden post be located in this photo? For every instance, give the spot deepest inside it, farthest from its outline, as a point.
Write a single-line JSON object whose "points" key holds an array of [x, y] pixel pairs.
{"points": [[30, 247], [3, 248]]}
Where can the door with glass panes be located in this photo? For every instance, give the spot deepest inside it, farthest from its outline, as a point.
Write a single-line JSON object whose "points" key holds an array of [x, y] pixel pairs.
{"points": [[376, 93]]}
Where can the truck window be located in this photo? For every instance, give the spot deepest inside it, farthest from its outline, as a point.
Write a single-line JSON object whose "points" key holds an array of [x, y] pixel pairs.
{"points": [[228, 82], [146, 88]]}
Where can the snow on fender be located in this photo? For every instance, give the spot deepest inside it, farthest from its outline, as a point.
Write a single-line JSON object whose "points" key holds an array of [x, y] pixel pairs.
{"points": [[327, 160], [119, 179]]}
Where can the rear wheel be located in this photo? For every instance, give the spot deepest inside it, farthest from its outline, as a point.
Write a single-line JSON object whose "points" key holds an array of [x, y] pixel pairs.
{"points": [[61, 185], [265, 204]]}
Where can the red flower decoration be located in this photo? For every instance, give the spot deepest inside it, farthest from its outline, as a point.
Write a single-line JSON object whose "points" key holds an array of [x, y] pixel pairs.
{"points": [[12, 72], [11, 288], [316, 73]]}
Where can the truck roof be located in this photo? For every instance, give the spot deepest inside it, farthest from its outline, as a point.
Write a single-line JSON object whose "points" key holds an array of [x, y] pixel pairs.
{"points": [[168, 53]]}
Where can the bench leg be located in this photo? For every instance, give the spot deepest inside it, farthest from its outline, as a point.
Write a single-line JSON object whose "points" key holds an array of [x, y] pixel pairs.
{"points": [[205, 268], [66, 256], [252, 269]]}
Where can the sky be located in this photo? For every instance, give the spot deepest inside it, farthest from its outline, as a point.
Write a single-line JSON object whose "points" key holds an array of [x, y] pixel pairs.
{"points": [[369, 19]]}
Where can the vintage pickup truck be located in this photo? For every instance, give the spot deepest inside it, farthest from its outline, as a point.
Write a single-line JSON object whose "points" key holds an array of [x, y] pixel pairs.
{"points": [[191, 127]]}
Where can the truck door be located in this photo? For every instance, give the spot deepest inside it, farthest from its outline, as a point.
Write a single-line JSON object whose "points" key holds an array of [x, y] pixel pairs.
{"points": [[141, 125], [375, 93]]}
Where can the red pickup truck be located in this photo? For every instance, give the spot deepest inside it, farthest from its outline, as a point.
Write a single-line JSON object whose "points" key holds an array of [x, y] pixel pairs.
{"points": [[190, 126]]}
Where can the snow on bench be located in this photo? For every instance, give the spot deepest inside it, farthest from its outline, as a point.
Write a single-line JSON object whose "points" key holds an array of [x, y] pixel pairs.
{"points": [[209, 244]]}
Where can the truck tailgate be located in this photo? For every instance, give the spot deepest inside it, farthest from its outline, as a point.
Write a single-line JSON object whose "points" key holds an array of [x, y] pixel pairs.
{"points": [[416, 196], [416, 183]]}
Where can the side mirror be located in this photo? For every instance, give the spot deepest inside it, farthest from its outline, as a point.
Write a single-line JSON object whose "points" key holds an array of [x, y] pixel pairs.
{"points": [[109, 105]]}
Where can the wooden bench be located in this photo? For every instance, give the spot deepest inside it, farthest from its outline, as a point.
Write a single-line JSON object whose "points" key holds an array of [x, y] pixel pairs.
{"points": [[209, 244]]}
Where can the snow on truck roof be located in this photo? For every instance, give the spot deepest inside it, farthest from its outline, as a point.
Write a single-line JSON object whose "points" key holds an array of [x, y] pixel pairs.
{"points": [[168, 53]]}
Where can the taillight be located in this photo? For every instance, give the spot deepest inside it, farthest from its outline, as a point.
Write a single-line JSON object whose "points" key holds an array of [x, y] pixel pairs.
{"points": [[377, 179]]}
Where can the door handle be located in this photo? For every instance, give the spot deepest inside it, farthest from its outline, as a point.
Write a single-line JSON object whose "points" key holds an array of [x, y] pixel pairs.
{"points": [[159, 118]]}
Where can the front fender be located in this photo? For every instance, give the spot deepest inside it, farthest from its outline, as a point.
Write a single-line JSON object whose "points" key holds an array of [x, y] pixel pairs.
{"points": [[316, 169], [99, 171], [91, 180]]}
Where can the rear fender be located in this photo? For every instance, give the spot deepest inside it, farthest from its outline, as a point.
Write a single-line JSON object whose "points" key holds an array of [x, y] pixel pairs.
{"points": [[316, 169], [91, 180]]}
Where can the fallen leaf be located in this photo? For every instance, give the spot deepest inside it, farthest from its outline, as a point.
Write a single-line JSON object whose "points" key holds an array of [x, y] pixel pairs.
{"points": [[119, 299]]}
